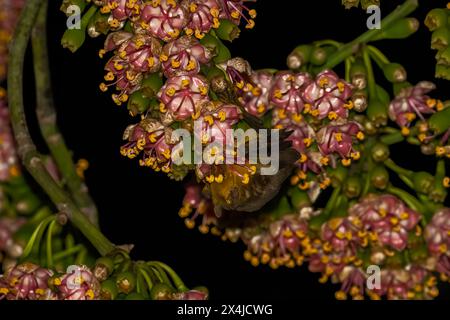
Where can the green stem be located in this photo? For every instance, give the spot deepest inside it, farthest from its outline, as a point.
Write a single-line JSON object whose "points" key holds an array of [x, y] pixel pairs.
{"points": [[408, 198], [378, 56], [370, 75], [67, 253], [392, 138], [328, 42], [46, 115], [397, 169], [179, 284], [49, 247], [31, 159], [348, 66], [348, 49]]}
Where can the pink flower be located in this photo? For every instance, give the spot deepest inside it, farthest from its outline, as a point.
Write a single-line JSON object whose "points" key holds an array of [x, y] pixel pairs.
{"points": [[353, 283], [196, 207], [190, 295], [184, 57], [281, 243], [234, 10], [388, 218], [411, 282], [339, 138], [26, 281], [120, 10], [256, 99], [153, 140], [140, 52], [328, 95], [78, 284], [342, 233], [437, 236], [182, 96], [412, 102], [287, 91], [302, 135], [204, 16], [164, 19]]}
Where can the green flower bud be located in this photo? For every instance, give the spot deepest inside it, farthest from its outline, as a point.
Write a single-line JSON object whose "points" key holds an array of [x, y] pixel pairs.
{"points": [[398, 86], [98, 25], [400, 29], [338, 174], [135, 296], [423, 182], [103, 268], [126, 282], [377, 112], [379, 177], [151, 84], [394, 72], [138, 103], [218, 49], [28, 204], [228, 30], [161, 291], [319, 55], [67, 3], [439, 122], [73, 39], [442, 72], [359, 100], [352, 187], [436, 18], [358, 74], [299, 198], [108, 290], [380, 152], [367, 3], [299, 56], [443, 57], [440, 38], [348, 4]]}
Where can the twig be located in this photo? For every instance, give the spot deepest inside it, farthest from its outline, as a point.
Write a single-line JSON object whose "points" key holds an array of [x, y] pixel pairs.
{"points": [[46, 115], [31, 159]]}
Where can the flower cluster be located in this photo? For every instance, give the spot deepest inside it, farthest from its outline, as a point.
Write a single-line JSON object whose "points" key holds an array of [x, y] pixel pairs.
{"points": [[28, 281]]}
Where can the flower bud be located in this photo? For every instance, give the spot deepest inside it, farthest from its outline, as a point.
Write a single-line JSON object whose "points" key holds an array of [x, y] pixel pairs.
{"points": [[380, 152], [377, 112], [98, 25], [423, 182], [443, 57], [358, 74], [319, 56], [67, 3], [126, 282], [227, 30], [442, 72], [439, 122], [440, 38], [400, 29], [359, 100], [299, 198], [161, 291], [73, 39], [138, 103], [436, 18], [394, 72], [379, 177], [151, 84], [352, 187], [104, 266], [135, 296], [299, 56], [367, 3], [348, 4], [108, 290]]}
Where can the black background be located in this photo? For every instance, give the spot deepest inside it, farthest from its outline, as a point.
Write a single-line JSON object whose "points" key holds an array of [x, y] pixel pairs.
{"points": [[139, 206]]}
